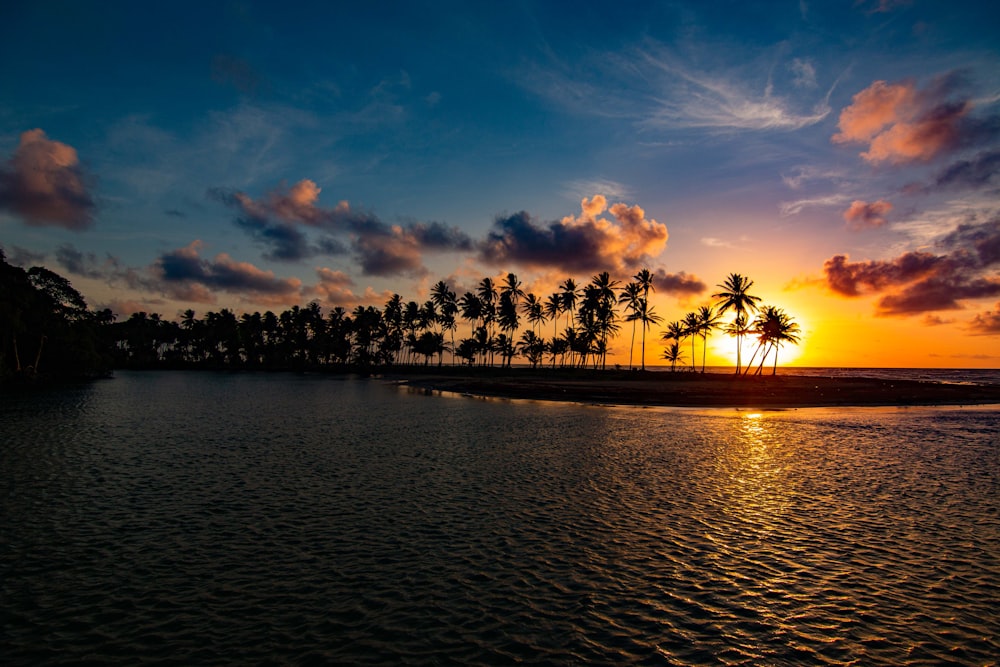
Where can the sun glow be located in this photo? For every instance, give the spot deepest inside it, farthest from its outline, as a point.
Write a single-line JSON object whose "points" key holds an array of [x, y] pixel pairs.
{"points": [[722, 349]]}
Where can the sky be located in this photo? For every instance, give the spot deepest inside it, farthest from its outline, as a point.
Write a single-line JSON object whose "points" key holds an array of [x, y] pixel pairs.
{"points": [[257, 155]]}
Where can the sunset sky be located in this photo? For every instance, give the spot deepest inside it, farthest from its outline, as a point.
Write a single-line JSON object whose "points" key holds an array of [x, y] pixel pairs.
{"points": [[250, 155]]}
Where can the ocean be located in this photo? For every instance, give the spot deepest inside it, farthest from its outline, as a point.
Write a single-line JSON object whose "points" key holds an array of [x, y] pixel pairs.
{"points": [[212, 518]]}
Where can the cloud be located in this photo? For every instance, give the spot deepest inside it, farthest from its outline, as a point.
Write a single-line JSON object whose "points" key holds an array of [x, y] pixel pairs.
{"points": [[866, 215], [24, 258], [80, 263], [680, 283], [901, 123], [855, 278], [804, 73], [279, 219], [186, 275], [580, 244], [987, 323], [978, 172], [582, 188], [795, 207], [44, 184], [701, 100], [667, 91], [922, 282]]}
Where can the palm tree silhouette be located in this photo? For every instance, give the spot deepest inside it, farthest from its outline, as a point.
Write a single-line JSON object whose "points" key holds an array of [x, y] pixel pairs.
{"points": [[631, 296], [692, 326], [735, 295], [447, 305], [708, 320], [553, 308], [673, 354], [645, 280], [774, 328]]}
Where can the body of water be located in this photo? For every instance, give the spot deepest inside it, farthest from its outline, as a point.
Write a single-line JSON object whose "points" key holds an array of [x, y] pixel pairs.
{"points": [[200, 518]]}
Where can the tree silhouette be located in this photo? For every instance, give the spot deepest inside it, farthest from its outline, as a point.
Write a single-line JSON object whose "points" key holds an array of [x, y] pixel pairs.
{"points": [[735, 295]]}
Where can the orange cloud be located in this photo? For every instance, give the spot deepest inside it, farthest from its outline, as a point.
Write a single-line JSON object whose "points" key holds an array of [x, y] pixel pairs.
{"points": [[44, 184], [901, 123], [577, 244], [864, 215]]}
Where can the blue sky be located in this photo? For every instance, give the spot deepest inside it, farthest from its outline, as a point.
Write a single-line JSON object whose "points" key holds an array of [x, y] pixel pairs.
{"points": [[255, 155]]}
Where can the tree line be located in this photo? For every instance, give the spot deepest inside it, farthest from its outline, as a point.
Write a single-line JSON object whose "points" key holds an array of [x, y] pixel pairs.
{"points": [[503, 320], [40, 308]]}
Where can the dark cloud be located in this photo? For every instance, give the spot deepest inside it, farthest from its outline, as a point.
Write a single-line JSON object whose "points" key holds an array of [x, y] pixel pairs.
{"points": [[986, 324], [922, 282], [185, 274], [680, 283], [577, 245], [981, 239], [278, 222], [937, 294], [981, 171], [853, 278], [286, 243], [44, 184], [23, 257], [80, 263]]}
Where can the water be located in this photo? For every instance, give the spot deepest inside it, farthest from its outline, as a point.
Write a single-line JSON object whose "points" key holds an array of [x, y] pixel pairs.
{"points": [[196, 518]]}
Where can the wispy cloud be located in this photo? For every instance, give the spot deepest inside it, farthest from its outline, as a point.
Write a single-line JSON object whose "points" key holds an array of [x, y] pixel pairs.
{"points": [[722, 101], [795, 207], [666, 91], [585, 188]]}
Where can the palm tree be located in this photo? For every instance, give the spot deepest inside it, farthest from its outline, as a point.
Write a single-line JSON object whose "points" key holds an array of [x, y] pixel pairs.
{"points": [[604, 292], [692, 325], [738, 328], [708, 320], [447, 305], [569, 299], [532, 347], [631, 296], [645, 280], [673, 354], [736, 295], [774, 328], [534, 310], [552, 309], [488, 294]]}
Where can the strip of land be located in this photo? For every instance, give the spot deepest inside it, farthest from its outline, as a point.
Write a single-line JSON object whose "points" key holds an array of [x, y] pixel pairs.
{"points": [[699, 390]]}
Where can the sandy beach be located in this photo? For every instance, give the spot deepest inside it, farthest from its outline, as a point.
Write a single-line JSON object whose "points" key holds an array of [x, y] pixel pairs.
{"points": [[699, 390]]}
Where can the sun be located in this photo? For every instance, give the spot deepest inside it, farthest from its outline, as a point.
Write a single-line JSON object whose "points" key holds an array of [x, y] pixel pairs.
{"points": [[722, 349]]}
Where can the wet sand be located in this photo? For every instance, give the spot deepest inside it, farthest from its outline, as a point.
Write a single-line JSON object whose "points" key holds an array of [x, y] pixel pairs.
{"points": [[697, 390]]}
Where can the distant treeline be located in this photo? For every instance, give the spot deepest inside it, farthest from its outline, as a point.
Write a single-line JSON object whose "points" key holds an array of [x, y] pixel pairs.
{"points": [[48, 329]]}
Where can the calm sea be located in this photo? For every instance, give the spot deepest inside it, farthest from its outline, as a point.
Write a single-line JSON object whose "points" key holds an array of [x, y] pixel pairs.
{"points": [[198, 518]]}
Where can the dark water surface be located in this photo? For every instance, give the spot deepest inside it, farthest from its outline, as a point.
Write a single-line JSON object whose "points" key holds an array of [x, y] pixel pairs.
{"points": [[195, 518]]}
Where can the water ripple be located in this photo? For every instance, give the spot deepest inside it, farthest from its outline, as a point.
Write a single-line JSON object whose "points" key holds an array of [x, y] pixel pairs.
{"points": [[233, 519]]}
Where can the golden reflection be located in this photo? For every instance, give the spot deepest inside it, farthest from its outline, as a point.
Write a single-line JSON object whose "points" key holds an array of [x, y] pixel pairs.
{"points": [[752, 473]]}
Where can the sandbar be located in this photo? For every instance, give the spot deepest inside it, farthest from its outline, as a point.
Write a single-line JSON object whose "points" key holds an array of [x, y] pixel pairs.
{"points": [[686, 389]]}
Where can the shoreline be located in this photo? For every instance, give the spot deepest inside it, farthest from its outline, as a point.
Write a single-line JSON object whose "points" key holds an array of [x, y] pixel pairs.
{"points": [[708, 390]]}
